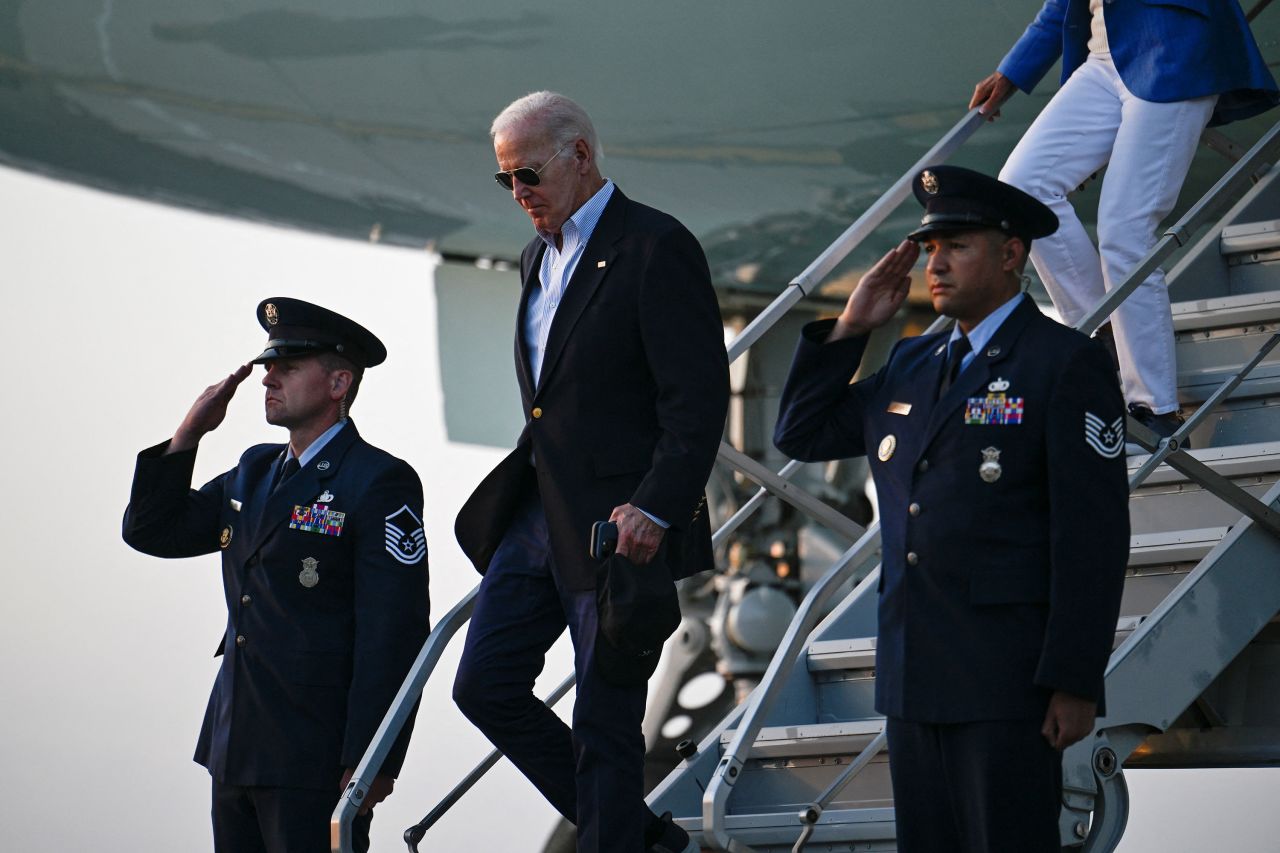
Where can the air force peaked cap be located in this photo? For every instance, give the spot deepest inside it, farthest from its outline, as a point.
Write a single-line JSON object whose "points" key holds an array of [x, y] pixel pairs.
{"points": [[959, 199], [297, 328]]}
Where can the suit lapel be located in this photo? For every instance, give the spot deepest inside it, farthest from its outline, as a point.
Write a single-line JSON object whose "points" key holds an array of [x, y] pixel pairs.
{"points": [[974, 377], [593, 266], [277, 509], [530, 270]]}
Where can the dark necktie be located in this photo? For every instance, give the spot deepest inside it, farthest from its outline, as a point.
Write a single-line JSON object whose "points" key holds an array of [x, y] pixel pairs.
{"points": [[285, 471], [955, 357]]}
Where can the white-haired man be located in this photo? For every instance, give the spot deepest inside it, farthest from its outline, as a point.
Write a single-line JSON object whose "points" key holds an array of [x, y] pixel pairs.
{"points": [[622, 371]]}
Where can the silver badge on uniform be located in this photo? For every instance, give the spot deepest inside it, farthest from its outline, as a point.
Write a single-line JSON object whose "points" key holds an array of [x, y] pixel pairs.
{"points": [[888, 444], [309, 577], [323, 465], [325, 498], [990, 469]]}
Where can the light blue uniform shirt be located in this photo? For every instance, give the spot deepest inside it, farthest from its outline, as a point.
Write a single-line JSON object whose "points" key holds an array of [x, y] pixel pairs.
{"points": [[316, 446], [981, 334]]}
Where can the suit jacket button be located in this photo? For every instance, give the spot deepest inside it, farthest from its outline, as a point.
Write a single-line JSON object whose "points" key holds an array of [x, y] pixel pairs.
{"points": [[923, 466], [914, 509], [246, 600], [912, 559], [537, 413], [240, 640]]}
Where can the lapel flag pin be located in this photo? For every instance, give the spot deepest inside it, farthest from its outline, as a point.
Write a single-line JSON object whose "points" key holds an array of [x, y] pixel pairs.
{"points": [[599, 265]]}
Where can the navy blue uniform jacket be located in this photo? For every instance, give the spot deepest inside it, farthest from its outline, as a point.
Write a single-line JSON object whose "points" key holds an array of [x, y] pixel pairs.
{"points": [[631, 402], [993, 594], [309, 668]]}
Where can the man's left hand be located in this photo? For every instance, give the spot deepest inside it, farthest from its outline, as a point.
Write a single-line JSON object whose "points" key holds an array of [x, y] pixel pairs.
{"points": [[1068, 720], [638, 535], [379, 789]]}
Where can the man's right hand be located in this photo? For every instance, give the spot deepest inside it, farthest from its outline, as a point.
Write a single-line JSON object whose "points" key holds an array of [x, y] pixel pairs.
{"points": [[208, 411], [990, 94], [879, 294]]}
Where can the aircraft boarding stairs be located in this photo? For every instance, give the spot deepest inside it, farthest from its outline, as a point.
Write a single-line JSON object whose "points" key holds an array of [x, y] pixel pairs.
{"points": [[1194, 679]]}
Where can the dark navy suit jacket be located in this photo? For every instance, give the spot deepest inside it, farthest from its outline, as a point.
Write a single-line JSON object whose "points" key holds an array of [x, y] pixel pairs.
{"points": [[313, 653], [631, 402], [994, 594], [1164, 50]]}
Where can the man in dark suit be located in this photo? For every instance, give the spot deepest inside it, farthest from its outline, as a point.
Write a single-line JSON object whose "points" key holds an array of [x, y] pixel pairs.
{"points": [[622, 370], [997, 453], [324, 565]]}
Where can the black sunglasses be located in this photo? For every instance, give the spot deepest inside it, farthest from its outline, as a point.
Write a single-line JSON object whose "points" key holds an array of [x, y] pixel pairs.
{"points": [[527, 175]]}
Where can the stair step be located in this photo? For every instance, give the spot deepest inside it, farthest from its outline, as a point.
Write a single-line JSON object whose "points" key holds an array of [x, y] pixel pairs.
{"points": [[1173, 546], [1249, 237], [1257, 459], [847, 738], [1221, 312], [859, 653], [872, 829]]}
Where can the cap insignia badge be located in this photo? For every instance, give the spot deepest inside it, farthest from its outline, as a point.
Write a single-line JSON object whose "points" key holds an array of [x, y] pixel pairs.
{"points": [[990, 469], [309, 577], [887, 446], [273, 313], [929, 182]]}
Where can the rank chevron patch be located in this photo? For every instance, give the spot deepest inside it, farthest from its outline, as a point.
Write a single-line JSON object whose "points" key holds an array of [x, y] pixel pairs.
{"points": [[406, 540], [1107, 440]]}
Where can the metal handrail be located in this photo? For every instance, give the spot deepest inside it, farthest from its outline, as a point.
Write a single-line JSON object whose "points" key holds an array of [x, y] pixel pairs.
{"points": [[853, 236], [392, 724], [716, 796], [418, 831]]}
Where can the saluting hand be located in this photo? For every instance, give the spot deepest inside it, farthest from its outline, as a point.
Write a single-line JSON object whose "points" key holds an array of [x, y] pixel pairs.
{"points": [[879, 294], [638, 535], [208, 411], [990, 94]]}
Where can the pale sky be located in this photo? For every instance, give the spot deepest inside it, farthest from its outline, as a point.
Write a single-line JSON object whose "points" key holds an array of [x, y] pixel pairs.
{"points": [[116, 315]]}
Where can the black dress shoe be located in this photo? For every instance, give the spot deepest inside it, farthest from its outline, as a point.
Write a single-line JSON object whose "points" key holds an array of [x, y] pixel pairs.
{"points": [[1163, 425]]}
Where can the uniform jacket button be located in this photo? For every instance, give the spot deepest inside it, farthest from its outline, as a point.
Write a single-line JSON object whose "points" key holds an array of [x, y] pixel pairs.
{"points": [[912, 559], [923, 466], [240, 640], [246, 600], [914, 509], [537, 412]]}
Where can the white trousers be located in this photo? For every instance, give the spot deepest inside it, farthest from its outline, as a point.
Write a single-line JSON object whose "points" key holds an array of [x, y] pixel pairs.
{"points": [[1091, 122]]}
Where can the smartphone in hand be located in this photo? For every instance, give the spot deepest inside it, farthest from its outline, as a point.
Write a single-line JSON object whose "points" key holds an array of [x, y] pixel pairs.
{"points": [[604, 538]]}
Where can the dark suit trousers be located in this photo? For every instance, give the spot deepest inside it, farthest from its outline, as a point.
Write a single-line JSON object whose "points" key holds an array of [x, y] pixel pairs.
{"points": [[255, 819], [592, 774], [982, 787]]}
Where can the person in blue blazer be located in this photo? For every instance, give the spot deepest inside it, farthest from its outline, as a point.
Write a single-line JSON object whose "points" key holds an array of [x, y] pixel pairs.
{"points": [[1140, 80], [997, 453], [324, 566]]}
